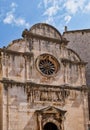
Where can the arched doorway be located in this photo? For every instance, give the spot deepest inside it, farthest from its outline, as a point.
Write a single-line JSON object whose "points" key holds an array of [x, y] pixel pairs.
{"points": [[50, 126]]}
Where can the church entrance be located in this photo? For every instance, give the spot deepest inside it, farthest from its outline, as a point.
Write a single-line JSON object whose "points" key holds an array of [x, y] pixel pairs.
{"points": [[50, 126]]}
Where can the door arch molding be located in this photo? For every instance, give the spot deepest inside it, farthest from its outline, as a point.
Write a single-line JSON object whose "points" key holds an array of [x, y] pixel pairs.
{"points": [[50, 126], [55, 122]]}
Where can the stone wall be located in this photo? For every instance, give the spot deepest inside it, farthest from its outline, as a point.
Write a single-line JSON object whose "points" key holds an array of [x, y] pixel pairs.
{"points": [[19, 112], [21, 66], [79, 41]]}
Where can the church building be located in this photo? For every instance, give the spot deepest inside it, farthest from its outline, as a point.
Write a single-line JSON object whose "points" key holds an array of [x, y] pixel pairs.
{"points": [[42, 83]]}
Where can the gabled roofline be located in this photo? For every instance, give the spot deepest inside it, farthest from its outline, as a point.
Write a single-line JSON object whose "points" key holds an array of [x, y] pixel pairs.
{"points": [[49, 107]]}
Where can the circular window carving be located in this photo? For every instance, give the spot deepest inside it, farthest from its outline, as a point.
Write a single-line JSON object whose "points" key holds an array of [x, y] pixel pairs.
{"points": [[47, 64]]}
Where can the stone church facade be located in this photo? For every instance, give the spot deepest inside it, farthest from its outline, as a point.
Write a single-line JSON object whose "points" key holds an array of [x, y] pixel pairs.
{"points": [[42, 83]]}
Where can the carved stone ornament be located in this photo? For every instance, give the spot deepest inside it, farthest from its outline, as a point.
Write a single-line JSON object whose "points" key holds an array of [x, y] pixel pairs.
{"points": [[51, 116]]}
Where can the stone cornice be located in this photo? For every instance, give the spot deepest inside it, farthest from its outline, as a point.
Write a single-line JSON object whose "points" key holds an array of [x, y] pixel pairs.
{"points": [[27, 34], [6, 82], [7, 51], [73, 62]]}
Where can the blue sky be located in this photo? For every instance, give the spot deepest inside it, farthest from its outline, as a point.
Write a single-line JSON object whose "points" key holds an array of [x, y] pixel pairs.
{"points": [[16, 15]]}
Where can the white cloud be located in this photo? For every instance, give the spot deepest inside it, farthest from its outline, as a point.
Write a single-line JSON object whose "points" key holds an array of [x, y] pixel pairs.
{"points": [[87, 8], [39, 5], [10, 17], [21, 22], [54, 9], [51, 11], [51, 2], [47, 2], [73, 6], [50, 20], [67, 18], [13, 5]]}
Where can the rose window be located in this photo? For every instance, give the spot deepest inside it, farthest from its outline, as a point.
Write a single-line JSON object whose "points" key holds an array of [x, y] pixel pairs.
{"points": [[47, 64]]}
